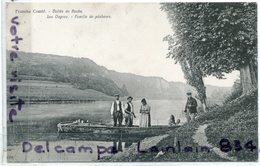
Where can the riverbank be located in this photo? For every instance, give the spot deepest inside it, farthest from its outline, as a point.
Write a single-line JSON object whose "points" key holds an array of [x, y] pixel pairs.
{"points": [[235, 122], [39, 91]]}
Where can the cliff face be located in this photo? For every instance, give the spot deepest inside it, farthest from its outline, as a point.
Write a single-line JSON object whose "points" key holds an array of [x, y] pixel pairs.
{"points": [[158, 88]]}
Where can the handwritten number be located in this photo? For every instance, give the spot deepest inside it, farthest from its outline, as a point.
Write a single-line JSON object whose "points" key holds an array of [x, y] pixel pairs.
{"points": [[225, 145], [249, 145], [238, 146]]}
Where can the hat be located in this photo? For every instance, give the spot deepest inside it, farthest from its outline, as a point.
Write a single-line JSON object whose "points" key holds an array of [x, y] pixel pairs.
{"points": [[143, 101], [116, 95], [129, 97], [188, 93]]}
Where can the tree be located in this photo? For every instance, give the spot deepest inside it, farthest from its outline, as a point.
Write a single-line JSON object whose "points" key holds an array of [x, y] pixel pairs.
{"points": [[182, 53], [217, 37], [192, 73], [194, 78]]}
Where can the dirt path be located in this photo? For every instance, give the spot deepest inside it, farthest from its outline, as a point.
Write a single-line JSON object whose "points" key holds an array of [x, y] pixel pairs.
{"points": [[201, 139]]}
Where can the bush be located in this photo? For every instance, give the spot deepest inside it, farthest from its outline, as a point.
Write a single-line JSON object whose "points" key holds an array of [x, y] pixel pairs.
{"points": [[236, 92]]}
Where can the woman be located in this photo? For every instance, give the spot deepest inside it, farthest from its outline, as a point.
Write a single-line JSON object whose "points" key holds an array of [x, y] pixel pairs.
{"points": [[145, 118], [172, 121]]}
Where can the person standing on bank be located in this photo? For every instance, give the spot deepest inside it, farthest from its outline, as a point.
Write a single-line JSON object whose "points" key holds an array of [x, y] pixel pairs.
{"points": [[191, 107], [129, 112], [117, 111], [145, 118]]}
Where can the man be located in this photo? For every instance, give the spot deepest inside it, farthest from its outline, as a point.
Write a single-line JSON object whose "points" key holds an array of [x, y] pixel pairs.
{"points": [[191, 107], [117, 111], [129, 112]]}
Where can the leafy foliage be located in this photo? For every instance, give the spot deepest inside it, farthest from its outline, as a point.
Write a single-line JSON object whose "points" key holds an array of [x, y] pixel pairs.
{"points": [[217, 37]]}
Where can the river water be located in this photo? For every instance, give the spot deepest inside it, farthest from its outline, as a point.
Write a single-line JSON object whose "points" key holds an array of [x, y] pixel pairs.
{"points": [[160, 111], [36, 125]]}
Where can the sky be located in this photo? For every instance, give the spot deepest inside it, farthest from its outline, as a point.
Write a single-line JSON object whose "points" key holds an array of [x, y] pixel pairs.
{"points": [[130, 41]]}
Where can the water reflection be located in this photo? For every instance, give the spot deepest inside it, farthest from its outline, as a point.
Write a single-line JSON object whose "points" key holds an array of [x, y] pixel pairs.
{"points": [[119, 143], [100, 137], [117, 146]]}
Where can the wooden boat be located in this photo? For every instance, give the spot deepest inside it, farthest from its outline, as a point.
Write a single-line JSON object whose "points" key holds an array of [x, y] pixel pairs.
{"points": [[111, 130]]}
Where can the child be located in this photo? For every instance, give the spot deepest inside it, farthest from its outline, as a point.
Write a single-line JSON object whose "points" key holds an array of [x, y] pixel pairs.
{"points": [[172, 121]]}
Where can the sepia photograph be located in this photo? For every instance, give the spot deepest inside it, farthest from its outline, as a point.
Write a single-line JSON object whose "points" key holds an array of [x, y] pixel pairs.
{"points": [[131, 82]]}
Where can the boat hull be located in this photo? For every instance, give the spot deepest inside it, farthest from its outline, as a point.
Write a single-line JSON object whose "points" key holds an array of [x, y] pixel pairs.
{"points": [[111, 130]]}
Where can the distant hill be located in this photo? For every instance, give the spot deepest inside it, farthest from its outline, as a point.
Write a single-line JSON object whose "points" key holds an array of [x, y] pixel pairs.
{"points": [[80, 72], [84, 73]]}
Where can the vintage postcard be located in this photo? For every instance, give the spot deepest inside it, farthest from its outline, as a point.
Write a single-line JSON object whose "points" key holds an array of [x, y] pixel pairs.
{"points": [[130, 82]]}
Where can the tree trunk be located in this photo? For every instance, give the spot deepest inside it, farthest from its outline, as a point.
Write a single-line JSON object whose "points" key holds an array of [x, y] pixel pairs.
{"points": [[253, 72], [204, 105], [248, 77]]}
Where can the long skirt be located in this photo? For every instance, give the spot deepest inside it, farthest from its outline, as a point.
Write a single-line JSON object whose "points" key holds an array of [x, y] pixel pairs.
{"points": [[144, 120]]}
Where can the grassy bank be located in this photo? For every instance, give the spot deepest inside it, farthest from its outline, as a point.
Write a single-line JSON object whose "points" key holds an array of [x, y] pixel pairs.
{"points": [[50, 90], [184, 136], [236, 120]]}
